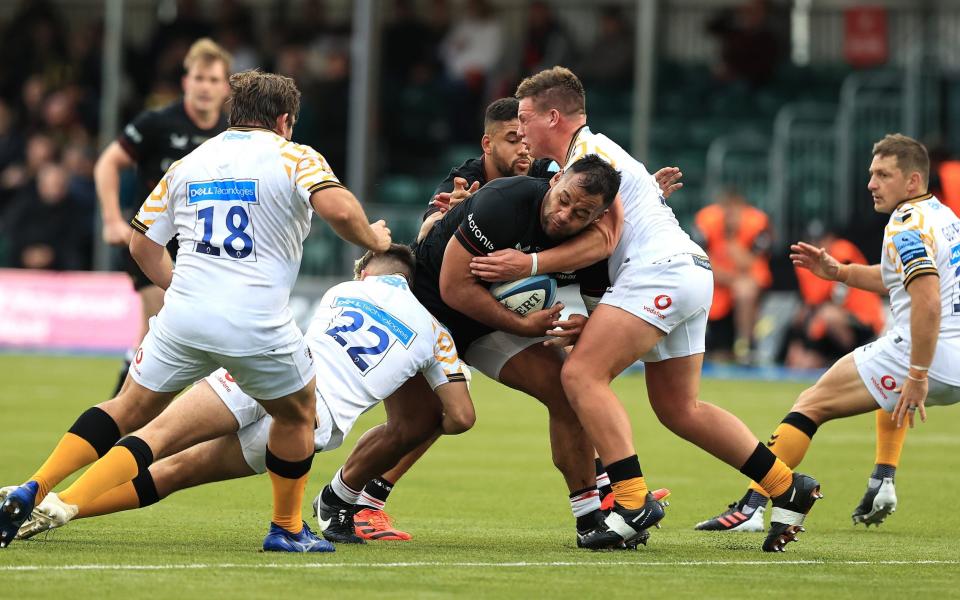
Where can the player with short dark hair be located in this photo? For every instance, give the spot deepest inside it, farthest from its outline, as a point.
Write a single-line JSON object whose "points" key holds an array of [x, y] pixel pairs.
{"points": [[151, 142]]}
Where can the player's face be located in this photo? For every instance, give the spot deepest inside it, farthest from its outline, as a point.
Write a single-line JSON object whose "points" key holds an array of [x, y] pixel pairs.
{"points": [[205, 86], [568, 209], [888, 184], [509, 154], [533, 127]]}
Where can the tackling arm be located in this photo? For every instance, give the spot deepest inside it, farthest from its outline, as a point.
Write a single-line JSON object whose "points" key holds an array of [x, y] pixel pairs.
{"points": [[924, 319], [865, 277]]}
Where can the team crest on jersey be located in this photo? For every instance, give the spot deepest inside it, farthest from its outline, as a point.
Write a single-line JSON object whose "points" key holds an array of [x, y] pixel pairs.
{"points": [[179, 141]]}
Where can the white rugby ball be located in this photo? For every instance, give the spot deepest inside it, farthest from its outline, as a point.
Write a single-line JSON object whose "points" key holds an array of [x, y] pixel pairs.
{"points": [[526, 295]]}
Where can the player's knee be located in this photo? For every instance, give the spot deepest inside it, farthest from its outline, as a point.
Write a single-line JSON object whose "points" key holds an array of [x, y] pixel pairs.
{"points": [[576, 378], [813, 402]]}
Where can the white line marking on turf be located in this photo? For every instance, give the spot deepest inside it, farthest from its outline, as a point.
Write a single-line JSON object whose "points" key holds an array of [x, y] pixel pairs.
{"points": [[494, 565]]}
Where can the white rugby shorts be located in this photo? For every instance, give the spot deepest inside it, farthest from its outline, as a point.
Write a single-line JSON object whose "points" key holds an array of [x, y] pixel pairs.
{"points": [[490, 352], [163, 364], [883, 366], [254, 422], [673, 294]]}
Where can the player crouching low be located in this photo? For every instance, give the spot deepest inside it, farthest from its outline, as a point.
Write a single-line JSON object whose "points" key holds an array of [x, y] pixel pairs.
{"points": [[369, 337]]}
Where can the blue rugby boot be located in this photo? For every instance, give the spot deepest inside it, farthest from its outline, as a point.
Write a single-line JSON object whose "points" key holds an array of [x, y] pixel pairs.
{"points": [[281, 540], [16, 508]]}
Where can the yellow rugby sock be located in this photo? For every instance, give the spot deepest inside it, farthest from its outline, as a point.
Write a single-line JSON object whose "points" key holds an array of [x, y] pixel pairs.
{"points": [[289, 480], [789, 442], [120, 465], [631, 493], [91, 436], [890, 440], [123, 497], [71, 454]]}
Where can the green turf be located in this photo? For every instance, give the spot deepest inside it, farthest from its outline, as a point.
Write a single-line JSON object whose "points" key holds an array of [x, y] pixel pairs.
{"points": [[481, 503]]}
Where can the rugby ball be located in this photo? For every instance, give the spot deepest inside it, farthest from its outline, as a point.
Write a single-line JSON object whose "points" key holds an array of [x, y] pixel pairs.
{"points": [[526, 295]]}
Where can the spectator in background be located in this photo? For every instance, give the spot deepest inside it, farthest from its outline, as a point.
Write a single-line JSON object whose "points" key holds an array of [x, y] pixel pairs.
{"points": [[750, 47], [546, 42], [608, 62], [40, 150], [42, 225], [737, 239], [834, 318], [470, 52], [11, 150]]}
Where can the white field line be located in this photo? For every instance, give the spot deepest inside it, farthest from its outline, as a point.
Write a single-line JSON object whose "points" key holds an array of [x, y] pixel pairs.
{"points": [[461, 565]]}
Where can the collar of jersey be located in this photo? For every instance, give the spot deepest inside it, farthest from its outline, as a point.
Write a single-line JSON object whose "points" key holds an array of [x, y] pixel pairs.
{"points": [[246, 128], [573, 142], [919, 198]]}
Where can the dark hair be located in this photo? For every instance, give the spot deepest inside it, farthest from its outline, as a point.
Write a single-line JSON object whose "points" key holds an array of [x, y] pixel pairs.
{"points": [[257, 99], [555, 88], [499, 111], [911, 154], [598, 177], [398, 259]]}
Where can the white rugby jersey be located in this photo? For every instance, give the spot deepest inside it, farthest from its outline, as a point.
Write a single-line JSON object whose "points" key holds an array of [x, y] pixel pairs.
{"points": [[371, 336], [923, 237], [240, 204], [650, 230]]}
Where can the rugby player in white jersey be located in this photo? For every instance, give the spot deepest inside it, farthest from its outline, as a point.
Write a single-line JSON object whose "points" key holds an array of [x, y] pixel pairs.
{"points": [[917, 363], [368, 338], [656, 311], [241, 206]]}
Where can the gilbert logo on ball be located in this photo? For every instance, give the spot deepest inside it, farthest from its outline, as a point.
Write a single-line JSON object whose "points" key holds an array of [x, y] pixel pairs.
{"points": [[526, 295]]}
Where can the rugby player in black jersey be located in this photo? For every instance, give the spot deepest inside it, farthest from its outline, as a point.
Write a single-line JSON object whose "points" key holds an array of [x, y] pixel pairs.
{"points": [[151, 143], [514, 212]]}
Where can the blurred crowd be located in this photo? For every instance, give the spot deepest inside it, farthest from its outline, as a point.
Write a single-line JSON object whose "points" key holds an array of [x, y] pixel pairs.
{"points": [[440, 65]]}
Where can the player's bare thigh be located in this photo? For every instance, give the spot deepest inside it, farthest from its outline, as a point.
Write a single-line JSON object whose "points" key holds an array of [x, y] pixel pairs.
{"points": [[535, 370], [196, 416], [214, 460], [413, 408], [674, 384], [612, 340], [838, 393], [135, 406]]}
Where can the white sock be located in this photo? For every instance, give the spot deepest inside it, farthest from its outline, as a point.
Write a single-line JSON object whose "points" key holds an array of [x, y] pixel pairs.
{"points": [[342, 490], [585, 502]]}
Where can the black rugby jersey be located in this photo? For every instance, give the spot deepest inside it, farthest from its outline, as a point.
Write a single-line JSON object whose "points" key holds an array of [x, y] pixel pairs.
{"points": [[154, 139]]}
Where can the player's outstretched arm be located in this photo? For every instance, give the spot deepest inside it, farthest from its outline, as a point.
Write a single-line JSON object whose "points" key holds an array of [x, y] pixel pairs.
{"points": [[461, 291], [458, 412], [819, 262], [590, 246], [106, 177], [340, 208], [925, 309], [153, 259]]}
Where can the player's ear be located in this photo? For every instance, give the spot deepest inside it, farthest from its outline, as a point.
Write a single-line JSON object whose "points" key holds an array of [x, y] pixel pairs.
{"points": [[554, 116], [556, 177], [486, 143]]}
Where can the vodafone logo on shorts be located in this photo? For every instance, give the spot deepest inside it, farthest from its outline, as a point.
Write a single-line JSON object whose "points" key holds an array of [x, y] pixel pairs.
{"points": [[139, 357], [662, 301], [888, 382], [229, 377]]}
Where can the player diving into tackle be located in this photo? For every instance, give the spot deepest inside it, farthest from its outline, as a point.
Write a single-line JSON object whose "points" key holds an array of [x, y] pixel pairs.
{"points": [[917, 363], [368, 337]]}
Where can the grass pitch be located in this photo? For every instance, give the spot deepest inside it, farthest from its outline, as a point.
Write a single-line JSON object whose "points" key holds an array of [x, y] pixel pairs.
{"points": [[489, 513]]}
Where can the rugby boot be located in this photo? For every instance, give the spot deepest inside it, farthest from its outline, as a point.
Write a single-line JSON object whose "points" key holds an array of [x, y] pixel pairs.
{"points": [[735, 518], [877, 504], [373, 524], [15, 509], [789, 511], [51, 513], [623, 527], [280, 540], [336, 522]]}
